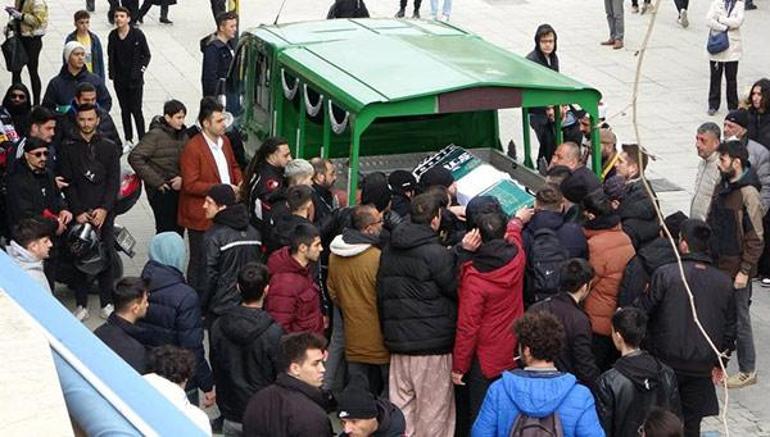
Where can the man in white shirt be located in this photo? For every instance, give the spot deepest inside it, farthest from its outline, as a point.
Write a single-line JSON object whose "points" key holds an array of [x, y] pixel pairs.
{"points": [[707, 141]]}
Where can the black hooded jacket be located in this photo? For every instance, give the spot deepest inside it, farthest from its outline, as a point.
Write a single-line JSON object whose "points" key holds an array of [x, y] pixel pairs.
{"points": [[19, 113], [230, 243], [30, 193], [417, 292], [631, 389], [390, 421], [637, 213], [636, 278], [536, 55], [92, 170], [245, 345]]}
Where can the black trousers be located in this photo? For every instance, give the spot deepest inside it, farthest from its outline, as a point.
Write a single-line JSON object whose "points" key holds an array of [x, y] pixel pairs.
{"points": [[218, 7], [636, 2], [105, 279], [604, 352], [681, 4], [699, 400], [196, 267], [730, 70], [32, 45], [417, 4], [164, 207], [130, 100], [469, 398], [146, 8]]}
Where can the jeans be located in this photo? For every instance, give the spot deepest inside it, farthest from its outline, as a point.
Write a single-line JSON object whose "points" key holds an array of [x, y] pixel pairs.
{"points": [[335, 363], [32, 45], [130, 100], [106, 278], [715, 85], [232, 429], [375, 375], [196, 266], [445, 11], [681, 4], [614, 10], [164, 206], [745, 337]]}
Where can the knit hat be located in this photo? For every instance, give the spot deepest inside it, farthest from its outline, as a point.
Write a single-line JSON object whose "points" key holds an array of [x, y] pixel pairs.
{"points": [[376, 191], [356, 403], [32, 143], [222, 194], [674, 223], [739, 117], [401, 181], [437, 175], [71, 47]]}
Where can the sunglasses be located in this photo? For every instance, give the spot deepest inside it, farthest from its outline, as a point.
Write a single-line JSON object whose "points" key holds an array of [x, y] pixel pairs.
{"points": [[39, 154], [18, 97]]}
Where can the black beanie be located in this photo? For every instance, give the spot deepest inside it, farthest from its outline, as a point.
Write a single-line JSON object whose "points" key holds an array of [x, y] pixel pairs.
{"points": [[402, 181], [480, 205], [739, 117], [356, 403], [436, 176], [674, 223], [376, 191], [222, 194]]}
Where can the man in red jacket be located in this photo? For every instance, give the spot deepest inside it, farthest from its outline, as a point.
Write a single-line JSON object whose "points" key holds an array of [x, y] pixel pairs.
{"points": [[295, 299], [490, 296]]}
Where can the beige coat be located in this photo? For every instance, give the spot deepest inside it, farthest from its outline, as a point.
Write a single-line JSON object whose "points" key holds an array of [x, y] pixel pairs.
{"points": [[718, 20]]}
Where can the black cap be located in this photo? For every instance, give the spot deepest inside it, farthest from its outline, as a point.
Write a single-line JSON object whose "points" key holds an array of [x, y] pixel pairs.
{"points": [[402, 181], [738, 116], [31, 144], [674, 223], [356, 403], [436, 176], [222, 194]]}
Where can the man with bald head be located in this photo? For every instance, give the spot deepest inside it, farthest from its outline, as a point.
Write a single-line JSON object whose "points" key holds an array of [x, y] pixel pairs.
{"points": [[582, 180]]}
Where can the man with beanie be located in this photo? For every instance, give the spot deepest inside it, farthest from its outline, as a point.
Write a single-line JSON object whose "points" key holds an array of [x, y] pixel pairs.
{"points": [[736, 127], [61, 89], [361, 415], [174, 315], [403, 185], [417, 303], [129, 56], [229, 244], [206, 160]]}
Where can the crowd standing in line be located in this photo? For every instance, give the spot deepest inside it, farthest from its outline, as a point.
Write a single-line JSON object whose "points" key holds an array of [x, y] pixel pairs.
{"points": [[443, 320]]}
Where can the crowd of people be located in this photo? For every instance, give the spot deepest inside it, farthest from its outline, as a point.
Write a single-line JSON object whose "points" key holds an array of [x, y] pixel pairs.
{"points": [[407, 313]]}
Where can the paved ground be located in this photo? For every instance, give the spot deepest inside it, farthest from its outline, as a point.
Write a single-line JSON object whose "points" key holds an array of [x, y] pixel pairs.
{"points": [[672, 99]]}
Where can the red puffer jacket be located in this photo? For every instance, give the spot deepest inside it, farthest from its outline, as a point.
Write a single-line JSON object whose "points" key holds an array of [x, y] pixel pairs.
{"points": [[490, 295], [294, 299]]}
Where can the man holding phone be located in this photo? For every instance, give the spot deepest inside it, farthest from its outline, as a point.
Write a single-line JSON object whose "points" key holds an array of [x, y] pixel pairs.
{"points": [[90, 164]]}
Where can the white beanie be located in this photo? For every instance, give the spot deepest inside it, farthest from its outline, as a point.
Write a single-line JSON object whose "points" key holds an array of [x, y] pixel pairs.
{"points": [[71, 47]]}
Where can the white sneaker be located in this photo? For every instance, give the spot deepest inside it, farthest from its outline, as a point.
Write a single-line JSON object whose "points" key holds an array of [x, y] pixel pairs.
{"points": [[106, 311], [765, 282], [683, 18], [80, 313]]}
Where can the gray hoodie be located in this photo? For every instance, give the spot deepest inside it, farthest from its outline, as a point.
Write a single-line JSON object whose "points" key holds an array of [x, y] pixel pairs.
{"points": [[29, 263]]}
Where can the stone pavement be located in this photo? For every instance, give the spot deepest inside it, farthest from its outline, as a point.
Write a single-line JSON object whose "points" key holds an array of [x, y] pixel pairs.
{"points": [[672, 98]]}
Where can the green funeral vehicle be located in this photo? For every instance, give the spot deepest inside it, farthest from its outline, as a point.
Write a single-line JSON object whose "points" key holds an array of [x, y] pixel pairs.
{"points": [[385, 94]]}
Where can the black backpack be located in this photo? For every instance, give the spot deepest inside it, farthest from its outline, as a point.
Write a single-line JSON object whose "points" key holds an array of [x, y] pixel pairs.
{"points": [[544, 261], [527, 426]]}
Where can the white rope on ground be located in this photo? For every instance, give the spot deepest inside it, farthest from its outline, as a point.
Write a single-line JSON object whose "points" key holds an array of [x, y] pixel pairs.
{"points": [[642, 51]]}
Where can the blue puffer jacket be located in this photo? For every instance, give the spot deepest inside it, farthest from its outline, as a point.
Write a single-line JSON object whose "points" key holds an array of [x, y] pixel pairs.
{"points": [[538, 394], [174, 317]]}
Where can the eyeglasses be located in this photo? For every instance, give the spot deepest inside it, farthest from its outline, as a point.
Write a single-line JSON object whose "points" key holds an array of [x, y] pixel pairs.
{"points": [[39, 154], [15, 96]]}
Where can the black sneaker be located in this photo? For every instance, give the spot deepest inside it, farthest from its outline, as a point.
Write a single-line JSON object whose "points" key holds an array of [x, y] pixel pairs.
{"points": [[166, 21], [751, 7], [416, 14], [400, 13]]}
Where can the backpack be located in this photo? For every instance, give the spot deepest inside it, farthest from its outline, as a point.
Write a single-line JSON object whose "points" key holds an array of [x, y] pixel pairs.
{"points": [[526, 426], [544, 261]]}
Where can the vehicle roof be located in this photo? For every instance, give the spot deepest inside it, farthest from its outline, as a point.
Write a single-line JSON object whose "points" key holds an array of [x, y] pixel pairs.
{"points": [[366, 59]]}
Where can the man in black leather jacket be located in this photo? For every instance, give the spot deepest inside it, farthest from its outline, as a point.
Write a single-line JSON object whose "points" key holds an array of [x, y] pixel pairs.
{"points": [[637, 383], [229, 244]]}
